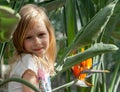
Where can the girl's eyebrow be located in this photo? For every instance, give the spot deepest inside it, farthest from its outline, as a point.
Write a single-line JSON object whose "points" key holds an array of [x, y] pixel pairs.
{"points": [[40, 31], [28, 34]]}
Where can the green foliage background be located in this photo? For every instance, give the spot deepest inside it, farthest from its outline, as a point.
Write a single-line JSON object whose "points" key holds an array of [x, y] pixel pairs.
{"points": [[92, 24]]}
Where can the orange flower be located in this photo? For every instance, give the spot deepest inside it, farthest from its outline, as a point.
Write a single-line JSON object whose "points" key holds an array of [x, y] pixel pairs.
{"points": [[82, 70], [84, 65]]}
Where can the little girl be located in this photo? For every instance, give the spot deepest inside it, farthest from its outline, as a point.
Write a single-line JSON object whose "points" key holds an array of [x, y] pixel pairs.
{"points": [[35, 45]]}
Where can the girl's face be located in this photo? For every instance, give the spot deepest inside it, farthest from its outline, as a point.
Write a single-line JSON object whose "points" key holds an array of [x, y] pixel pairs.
{"points": [[37, 39]]}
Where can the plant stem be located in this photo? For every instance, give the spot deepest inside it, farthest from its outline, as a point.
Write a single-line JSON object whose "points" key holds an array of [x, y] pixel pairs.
{"points": [[20, 81], [65, 85]]}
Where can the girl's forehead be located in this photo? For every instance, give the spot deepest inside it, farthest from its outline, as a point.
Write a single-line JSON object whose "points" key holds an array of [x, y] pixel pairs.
{"points": [[39, 25]]}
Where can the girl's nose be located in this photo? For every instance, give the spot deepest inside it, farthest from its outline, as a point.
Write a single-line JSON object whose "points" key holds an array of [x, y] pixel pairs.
{"points": [[37, 40]]}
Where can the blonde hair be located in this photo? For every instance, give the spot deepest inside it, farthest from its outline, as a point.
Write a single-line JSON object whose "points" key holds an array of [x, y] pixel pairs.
{"points": [[29, 15]]}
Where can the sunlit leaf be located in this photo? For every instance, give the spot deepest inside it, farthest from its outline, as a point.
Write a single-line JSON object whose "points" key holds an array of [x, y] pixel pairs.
{"points": [[8, 22]]}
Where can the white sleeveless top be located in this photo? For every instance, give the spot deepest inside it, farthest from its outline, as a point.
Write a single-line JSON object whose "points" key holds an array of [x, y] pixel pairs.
{"points": [[31, 62]]}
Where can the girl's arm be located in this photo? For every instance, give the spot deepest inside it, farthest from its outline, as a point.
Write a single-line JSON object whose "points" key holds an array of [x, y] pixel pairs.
{"points": [[29, 76]]}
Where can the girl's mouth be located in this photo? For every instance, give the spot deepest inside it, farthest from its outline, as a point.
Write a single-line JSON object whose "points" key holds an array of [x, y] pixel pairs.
{"points": [[37, 49]]}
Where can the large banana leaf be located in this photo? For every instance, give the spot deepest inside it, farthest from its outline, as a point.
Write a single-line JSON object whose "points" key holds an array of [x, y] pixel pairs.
{"points": [[8, 22]]}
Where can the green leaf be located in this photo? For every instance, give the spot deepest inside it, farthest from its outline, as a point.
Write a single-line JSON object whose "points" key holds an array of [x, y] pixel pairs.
{"points": [[70, 20], [8, 22], [65, 85], [20, 80], [100, 3], [117, 84], [97, 49], [114, 77], [87, 10], [94, 28], [91, 31], [116, 35], [53, 4]]}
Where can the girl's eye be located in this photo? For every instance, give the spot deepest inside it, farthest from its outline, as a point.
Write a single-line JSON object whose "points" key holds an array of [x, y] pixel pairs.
{"points": [[29, 37], [42, 34]]}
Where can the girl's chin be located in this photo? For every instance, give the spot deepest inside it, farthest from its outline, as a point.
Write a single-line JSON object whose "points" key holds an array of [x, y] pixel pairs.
{"points": [[39, 54]]}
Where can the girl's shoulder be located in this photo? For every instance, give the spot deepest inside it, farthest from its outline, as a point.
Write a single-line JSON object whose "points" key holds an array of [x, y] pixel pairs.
{"points": [[24, 62], [28, 59]]}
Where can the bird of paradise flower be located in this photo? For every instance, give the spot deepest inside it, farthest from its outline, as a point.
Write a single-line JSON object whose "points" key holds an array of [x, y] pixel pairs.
{"points": [[83, 70]]}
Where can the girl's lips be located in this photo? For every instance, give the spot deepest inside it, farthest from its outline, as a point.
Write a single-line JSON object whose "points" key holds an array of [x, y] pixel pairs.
{"points": [[38, 49]]}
